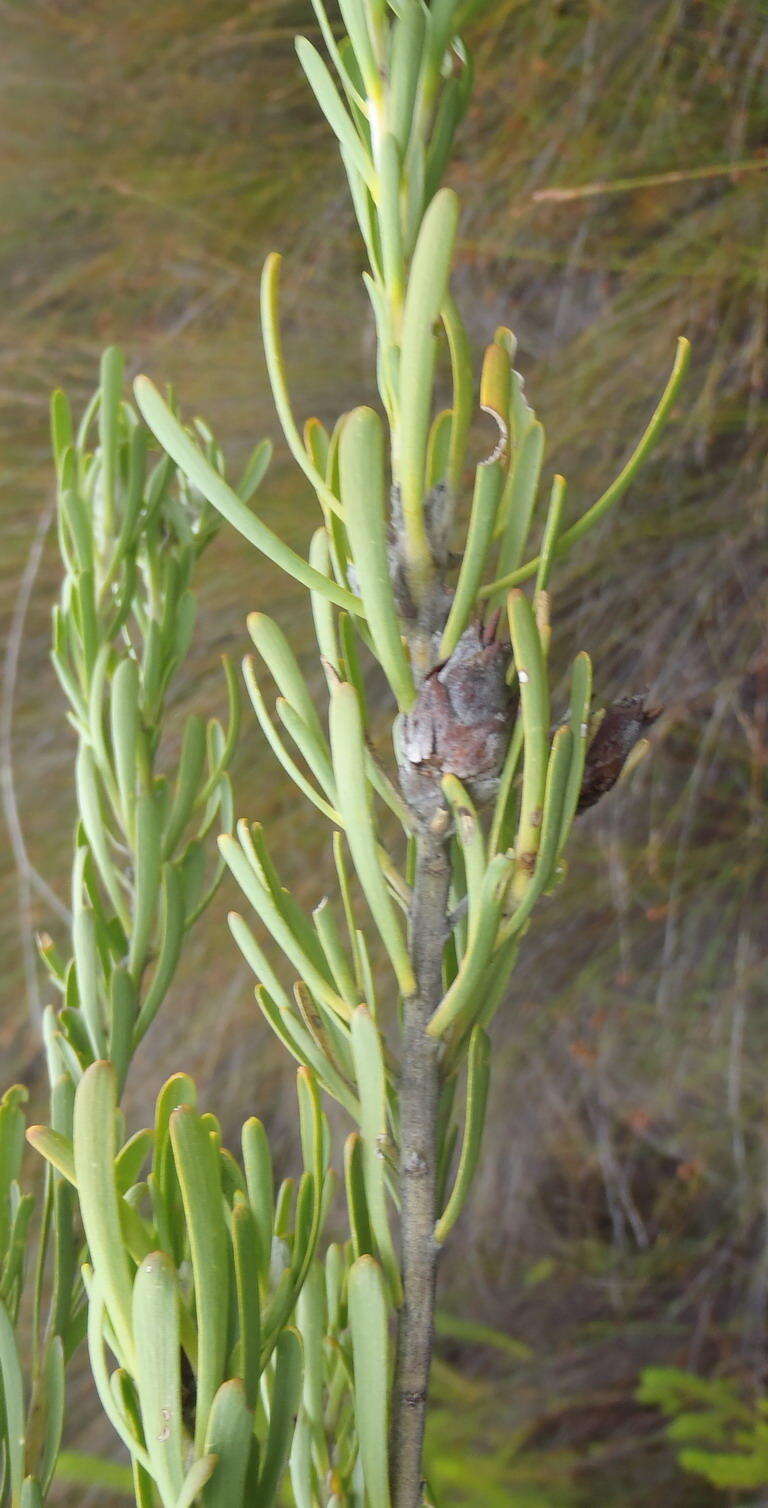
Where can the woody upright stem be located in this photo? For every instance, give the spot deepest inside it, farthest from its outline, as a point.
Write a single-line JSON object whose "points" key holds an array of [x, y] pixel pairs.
{"points": [[418, 1168]]}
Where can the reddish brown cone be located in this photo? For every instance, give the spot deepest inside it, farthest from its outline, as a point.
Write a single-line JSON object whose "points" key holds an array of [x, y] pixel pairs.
{"points": [[622, 726]]}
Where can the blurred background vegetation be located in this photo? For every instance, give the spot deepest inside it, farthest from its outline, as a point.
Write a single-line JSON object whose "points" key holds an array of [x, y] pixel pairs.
{"points": [[150, 157]]}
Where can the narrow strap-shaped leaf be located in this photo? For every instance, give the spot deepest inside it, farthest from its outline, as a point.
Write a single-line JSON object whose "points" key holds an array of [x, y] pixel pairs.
{"points": [[94, 1155], [348, 84], [198, 1171], [89, 807], [124, 723], [246, 1245], [229, 1435], [273, 350], [13, 1402], [390, 221], [357, 1203], [96, 1343], [278, 747], [618, 487], [122, 1009], [188, 783], [281, 661], [300, 1043], [519, 497], [361, 459], [190, 459], [266, 908], [355, 18], [110, 397], [158, 1372], [551, 531], [551, 832], [478, 1079], [534, 705], [200, 1472], [438, 448], [489, 478], [465, 996], [368, 1321], [470, 834], [372, 1087], [147, 892], [286, 1397], [172, 926], [322, 610], [333, 948], [407, 45], [327, 96], [311, 1322], [302, 1469], [256, 468], [461, 374], [581, 697], [61, 426], [502, 822], [427, 288], [55, 1148], [257, 1163], [312, 749], [347, 748], [131, 1158], [87, 964]]}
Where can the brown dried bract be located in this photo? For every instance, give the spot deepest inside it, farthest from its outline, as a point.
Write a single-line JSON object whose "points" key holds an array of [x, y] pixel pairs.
{"points": [[460, 723]]}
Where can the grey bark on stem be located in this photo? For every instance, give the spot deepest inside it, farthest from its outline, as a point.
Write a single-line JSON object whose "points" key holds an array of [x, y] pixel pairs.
{"points": [[418, 1167]]}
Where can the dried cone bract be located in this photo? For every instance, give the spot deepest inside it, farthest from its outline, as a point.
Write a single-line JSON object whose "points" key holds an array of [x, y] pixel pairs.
{"points": [[460, 723]]}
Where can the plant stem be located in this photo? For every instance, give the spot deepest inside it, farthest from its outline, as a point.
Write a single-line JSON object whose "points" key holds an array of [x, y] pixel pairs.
{"points": [[418, 1166]]}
